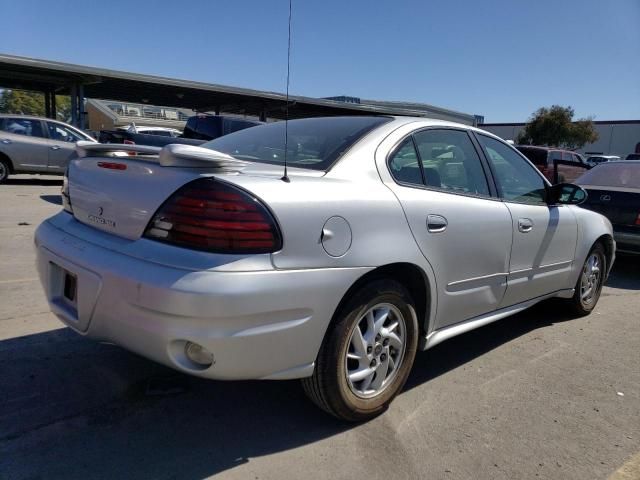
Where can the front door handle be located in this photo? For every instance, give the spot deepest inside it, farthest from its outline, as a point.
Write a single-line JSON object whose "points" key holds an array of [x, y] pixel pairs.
{"points": [[525, 225], [6, 141], [55, 147], [436, 223]]}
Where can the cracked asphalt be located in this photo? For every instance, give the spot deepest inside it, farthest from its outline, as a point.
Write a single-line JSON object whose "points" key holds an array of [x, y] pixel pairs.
{"points": [[537, 395]]}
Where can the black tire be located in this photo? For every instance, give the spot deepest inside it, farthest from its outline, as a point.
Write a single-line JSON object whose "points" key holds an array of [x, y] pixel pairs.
{"points": [[329, 387], [5, 169], [578, 305]]}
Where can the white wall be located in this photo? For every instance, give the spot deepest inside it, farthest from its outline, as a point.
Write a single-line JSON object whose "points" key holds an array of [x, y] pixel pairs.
{"points": [[615, 138]]}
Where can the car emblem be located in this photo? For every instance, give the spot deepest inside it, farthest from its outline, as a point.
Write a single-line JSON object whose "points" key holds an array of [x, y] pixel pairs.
{"points": [[100, 211], [605, 198]]}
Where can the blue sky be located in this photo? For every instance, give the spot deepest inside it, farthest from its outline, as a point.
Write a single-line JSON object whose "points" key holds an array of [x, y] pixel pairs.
{"points": [[499, 58]]}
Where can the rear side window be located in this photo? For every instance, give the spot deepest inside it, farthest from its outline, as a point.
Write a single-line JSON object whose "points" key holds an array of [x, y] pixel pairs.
{"points": [[536, 156], [555, 155], [404, 164], [23, 126], [450, 162]]}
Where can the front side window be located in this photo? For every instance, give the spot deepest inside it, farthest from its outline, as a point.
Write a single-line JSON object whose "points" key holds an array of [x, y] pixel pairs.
{"points": [[23, 126], [61, 133], [517, 179], [450, 162]]}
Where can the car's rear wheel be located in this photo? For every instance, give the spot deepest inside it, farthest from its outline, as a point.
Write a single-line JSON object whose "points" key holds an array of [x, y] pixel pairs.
{"points": [[367, 354], [4, 170], [589, 285]]}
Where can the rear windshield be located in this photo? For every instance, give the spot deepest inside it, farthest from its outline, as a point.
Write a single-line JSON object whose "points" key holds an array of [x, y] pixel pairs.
{"points": [[536, 156], [313, 143], [618, 174]]}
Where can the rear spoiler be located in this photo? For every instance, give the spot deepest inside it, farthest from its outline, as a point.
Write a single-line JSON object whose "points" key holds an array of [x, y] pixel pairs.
{"points": [[84, 148], [172, 155]]}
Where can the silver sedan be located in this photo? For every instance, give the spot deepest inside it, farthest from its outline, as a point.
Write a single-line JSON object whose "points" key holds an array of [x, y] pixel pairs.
{"points": [[326, 249]]}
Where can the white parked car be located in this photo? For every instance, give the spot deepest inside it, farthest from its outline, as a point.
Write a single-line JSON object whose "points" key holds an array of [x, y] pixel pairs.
{"points": [[384, 237], [160, 131]]}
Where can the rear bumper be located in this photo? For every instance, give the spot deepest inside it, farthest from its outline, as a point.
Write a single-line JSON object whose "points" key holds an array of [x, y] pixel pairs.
{"points": [[257, 324]]}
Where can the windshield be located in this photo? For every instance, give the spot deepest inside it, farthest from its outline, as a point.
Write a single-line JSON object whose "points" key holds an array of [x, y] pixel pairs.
{"points": [[314, 143], [618, 174]]}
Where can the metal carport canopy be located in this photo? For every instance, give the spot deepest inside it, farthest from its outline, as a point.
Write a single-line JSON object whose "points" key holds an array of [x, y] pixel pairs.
{"points": [[44, 75]]}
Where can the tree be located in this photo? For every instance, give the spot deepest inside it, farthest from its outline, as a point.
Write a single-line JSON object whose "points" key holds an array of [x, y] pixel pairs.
{"points": [[32, 103], [554, 127]]}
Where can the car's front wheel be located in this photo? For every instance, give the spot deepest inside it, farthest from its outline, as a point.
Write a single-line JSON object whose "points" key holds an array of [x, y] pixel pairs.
{"points": [[4, 170], [589, 285], [367, 354]]}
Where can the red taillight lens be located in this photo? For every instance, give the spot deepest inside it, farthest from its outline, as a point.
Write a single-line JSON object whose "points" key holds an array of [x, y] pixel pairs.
{"points": [[66, 199], [130, 142], [207, 214], [638, 219], [112, 165]]}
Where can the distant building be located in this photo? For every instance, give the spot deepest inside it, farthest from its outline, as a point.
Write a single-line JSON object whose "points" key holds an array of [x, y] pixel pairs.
{"points": [[616, 137]]}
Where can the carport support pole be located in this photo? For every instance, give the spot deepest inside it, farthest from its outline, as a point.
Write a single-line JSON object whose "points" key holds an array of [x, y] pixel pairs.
{"points": [[74, 105], [81, 113], [47, 104], [54, 114]]}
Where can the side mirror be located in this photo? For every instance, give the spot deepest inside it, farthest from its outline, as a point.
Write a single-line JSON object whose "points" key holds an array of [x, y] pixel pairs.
{"points": [[566, 194]]}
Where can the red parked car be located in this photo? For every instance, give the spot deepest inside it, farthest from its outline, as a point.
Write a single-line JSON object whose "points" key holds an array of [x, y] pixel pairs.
{"points": [[570, 165]]}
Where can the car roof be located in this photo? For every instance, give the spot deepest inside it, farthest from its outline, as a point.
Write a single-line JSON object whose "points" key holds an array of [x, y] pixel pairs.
{"points": [[32, 117], [546, 149], [28, 117]]}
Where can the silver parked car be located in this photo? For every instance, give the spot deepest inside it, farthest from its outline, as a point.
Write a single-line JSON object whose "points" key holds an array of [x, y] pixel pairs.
{"points": [[36, 145], [382, 237]]}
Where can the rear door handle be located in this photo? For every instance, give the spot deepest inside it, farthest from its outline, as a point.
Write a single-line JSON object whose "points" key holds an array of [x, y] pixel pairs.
{"points": [[436, 223], [525, 225], [6, 141], [55, 147]]}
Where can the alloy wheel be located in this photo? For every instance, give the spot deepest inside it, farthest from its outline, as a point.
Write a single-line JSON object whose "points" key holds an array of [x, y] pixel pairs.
{"points": [[590, 280], [376, 350]]}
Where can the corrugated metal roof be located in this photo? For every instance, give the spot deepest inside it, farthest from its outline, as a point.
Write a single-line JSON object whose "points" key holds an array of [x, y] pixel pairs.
{"points": [[35, 74]]}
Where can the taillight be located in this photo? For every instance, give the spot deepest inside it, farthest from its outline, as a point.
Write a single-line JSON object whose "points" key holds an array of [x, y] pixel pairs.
{"points": [[210, 215], [638, 219], [66, 199], [130, 142]]}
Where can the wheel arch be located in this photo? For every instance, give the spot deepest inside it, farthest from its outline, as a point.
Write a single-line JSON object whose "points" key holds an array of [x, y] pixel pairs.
{"points": [[411, 276], [607, 241]]}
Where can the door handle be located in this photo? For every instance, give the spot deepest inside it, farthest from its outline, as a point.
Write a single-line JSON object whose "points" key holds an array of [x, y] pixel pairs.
{"points": [[436, 223], [6, 141], [55, 147], [525, 225]]}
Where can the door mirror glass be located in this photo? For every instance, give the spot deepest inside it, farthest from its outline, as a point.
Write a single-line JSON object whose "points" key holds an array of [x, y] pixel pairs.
{"points": [[566, 194]]}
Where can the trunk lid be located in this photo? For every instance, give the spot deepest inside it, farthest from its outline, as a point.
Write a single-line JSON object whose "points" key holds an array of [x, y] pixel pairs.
{"points": [[122, 201], [120, 194]]}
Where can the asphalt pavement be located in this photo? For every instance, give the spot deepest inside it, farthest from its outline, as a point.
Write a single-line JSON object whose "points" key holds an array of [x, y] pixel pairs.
{"points": [[537, 395]]}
